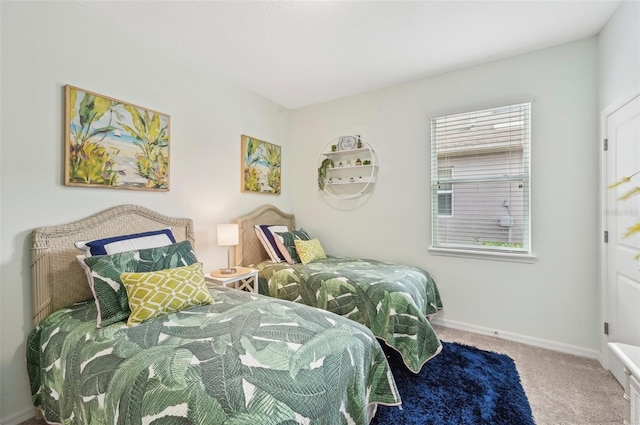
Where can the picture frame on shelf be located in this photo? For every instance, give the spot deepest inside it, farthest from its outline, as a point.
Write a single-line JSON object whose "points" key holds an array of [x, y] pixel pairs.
{"points": [[347, 143]]}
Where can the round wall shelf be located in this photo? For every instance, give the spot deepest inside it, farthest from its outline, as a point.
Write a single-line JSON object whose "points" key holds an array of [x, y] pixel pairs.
{"points": [[347, 167]]}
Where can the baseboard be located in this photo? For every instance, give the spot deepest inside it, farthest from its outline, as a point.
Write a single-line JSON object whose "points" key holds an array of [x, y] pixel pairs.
{"points": [[18, 418], [524, 339]]}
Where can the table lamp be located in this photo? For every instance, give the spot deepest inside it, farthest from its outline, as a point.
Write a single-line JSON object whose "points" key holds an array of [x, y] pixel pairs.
{"points": [[228, 236]]}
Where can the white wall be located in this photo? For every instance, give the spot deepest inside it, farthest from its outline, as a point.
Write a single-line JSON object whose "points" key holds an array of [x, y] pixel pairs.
{"points": [[619, 56], [47, 45], [554, 301]]}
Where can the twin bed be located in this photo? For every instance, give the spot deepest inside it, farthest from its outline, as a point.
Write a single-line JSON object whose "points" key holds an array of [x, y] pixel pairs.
{"points": [[395, 302], [246, 358]]}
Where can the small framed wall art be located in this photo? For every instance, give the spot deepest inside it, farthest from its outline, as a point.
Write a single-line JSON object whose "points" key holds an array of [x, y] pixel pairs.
{"points": [[113, 144], [261, 166]]}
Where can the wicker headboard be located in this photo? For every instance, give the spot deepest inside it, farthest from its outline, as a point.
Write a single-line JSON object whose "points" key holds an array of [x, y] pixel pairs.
{"points": [[250, 251], [57, 278]]}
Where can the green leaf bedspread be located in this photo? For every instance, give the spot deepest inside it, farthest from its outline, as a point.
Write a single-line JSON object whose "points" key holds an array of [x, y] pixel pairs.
{"points": [[247, 359], [392, 300]]}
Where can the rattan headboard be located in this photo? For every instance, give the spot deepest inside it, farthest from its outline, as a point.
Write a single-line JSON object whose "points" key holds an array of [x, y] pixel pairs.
{"points": [[250, 251], [57, 278]]}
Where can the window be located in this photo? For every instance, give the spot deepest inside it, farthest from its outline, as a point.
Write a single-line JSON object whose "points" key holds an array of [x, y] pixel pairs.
{"points": [[489, 150], [445, 192]]}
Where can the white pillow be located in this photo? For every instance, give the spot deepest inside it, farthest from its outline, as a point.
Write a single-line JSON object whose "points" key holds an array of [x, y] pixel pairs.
{"points": [[122, 243], [266, 235]]}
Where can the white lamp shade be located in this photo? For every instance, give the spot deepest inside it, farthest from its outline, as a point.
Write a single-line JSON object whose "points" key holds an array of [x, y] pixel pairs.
{"points": [[228, 234]]}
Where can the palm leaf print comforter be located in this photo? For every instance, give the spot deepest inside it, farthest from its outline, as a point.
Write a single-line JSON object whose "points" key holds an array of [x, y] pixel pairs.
{"points": [[246, 359], [392, 300]]}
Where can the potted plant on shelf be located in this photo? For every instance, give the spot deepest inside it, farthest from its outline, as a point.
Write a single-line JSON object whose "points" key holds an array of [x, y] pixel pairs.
{"points": [[367, 162], [358, 161], [322, 172]]}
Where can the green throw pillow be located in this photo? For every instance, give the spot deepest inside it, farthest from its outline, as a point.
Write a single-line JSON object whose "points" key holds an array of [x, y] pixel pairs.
{"points": [[310, 250], [162, 292], [103, 273], [288, 240]]}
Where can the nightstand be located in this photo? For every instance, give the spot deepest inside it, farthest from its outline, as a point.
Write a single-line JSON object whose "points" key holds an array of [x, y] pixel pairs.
{"points": [[244, 278]]}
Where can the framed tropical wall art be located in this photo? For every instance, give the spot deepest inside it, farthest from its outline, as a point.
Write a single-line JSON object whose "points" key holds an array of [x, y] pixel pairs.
{"points": [[113, 144], [261, 162]]}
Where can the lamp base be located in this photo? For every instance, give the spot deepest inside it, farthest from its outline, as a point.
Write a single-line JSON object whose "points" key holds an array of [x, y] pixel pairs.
{"points": [[231, 270]]}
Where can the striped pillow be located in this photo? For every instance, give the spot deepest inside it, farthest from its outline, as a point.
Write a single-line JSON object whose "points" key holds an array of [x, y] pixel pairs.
{"points": [[265, 233]]}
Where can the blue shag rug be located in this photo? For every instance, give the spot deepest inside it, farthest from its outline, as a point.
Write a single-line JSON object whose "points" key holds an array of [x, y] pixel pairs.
{"points": [[462, 385]]}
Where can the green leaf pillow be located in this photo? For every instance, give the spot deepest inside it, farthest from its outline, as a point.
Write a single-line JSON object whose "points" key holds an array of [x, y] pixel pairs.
{"points": [[162, 292], [103, 273], [286, 240]]}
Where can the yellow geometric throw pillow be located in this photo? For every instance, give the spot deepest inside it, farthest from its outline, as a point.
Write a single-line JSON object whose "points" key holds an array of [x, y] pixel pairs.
{"points": [[310, 250], [157, 293]]}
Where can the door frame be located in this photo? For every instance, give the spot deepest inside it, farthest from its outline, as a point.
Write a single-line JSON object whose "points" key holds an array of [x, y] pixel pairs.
{"points": [[606, 355]]}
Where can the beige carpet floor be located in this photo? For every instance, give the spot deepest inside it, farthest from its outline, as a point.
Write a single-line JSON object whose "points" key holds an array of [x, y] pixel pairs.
{"points": [[563, 389]]}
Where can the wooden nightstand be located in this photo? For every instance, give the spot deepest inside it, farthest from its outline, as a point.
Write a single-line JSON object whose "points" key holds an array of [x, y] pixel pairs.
{"points": [[244, 278]]}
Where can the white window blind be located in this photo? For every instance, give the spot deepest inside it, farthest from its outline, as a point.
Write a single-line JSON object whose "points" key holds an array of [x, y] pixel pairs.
{"points": [[480, 179], [445, 192]]}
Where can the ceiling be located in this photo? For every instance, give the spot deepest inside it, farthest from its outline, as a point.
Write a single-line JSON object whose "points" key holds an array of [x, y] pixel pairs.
{"points": [[299, 53]]}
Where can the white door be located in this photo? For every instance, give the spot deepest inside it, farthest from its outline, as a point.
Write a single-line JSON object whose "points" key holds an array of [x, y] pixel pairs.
{"points": [[623, 269]]}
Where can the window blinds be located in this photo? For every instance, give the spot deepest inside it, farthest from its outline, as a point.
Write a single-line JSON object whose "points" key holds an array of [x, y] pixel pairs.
{"points": [[480, 178]]}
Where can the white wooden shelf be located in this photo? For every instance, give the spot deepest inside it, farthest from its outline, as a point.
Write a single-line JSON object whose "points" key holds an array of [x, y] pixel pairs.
{"points": [[630, 357], [345, 179], [365, 180], [347, 152]]}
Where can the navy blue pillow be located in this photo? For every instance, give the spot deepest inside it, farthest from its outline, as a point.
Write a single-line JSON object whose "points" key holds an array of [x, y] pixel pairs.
{"points": [[97, 247]]}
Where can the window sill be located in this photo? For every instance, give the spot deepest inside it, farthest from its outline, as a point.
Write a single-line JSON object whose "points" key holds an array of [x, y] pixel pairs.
{"points": [[484, 255]]}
